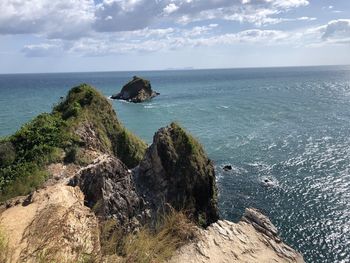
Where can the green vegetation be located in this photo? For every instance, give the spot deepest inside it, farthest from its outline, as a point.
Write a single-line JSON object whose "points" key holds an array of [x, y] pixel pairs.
{"points": [[51, 138], [84, 104], [36, 144], [184, 142]]}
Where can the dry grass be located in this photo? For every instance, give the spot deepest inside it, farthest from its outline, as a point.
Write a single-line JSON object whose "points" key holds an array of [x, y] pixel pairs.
{"points": [[4, 247], [111, 237], [146, 246]]}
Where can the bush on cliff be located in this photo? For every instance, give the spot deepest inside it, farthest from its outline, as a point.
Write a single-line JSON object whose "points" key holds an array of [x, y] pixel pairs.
{"points": [[37, 143], [85, 104]]}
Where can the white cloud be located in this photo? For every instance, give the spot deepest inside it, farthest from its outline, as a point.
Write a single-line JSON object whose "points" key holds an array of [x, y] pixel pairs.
{"points": [[170, 8], [158, 40], [336, 29], [166, 39], [68, 19], [43, 50], [54, 18]]}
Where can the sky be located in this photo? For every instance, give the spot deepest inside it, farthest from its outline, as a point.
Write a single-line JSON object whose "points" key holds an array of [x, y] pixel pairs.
{"points": [[118, 35]]}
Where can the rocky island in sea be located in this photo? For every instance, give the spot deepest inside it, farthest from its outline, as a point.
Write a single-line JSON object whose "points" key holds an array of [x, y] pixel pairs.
{"points": [[137, 90], [77, 186]]}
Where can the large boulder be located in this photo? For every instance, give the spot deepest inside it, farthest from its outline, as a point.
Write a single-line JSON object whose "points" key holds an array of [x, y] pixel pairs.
{"points": [[136, 90], [176, 171]]}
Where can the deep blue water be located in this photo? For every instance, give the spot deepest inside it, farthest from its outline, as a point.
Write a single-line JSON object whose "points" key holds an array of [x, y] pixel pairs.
{"points": [[290, 125]]}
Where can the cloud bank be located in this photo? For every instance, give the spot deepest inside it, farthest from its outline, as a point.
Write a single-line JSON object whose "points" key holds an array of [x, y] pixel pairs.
{"points": [[99, 28]]}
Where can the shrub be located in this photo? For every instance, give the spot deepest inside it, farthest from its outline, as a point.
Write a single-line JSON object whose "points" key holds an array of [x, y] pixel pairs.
{"points": [[7, 153], [71, 154], [39, 139], [21, 179]]}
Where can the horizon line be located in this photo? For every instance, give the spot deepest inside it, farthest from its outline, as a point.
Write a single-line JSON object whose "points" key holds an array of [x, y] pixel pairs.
{"points": [[177, 69]]}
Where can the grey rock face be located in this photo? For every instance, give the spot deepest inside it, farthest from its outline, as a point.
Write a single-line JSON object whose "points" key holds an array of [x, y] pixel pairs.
{"points": [[137, 90], [176, 170], [109, 190]]}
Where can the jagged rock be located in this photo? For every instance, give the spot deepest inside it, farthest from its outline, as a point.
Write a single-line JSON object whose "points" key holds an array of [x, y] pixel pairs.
{"points": [[177, 171], [260, 222], [137, 90], [109, 190], [225, 241]]}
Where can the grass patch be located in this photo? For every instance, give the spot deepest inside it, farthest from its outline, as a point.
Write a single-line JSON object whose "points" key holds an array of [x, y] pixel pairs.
{"points": [[173, 231], [4, 247]]}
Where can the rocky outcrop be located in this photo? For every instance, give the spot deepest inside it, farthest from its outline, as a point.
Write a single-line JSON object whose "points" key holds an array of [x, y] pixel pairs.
{"points": [[254, 239], [51, 225], [109, 190], [64, 220], [177, 171], [136, 90]]}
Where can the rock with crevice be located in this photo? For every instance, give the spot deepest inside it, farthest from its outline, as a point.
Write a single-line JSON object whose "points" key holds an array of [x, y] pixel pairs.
{"points": [[109, 190]]}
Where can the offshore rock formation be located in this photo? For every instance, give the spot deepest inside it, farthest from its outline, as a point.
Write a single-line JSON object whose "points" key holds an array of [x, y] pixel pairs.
{"points": [[137, 90], [254, 239], [91, 185], [177, 171]]}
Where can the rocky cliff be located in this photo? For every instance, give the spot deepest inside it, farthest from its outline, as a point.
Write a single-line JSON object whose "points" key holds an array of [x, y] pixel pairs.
{"points": [[177, 171], [106, 199]]}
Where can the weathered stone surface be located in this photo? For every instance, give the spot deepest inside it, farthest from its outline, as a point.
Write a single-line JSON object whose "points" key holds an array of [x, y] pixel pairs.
{"points": [[51, 225], [260, 222], [177, 171], [109, 190], [137, 90], [225, 241]]}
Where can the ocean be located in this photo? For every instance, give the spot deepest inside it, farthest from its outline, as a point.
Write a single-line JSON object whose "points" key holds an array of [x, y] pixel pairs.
{"points": [[290, 126]]}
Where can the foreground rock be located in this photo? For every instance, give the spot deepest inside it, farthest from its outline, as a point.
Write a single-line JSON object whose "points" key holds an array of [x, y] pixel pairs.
{"points": [[254, 239], [51, 225], [177, 171], [137, 90]]}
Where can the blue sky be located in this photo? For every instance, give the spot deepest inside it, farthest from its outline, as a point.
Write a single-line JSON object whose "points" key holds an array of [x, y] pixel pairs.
{"points": [[110, 35]]}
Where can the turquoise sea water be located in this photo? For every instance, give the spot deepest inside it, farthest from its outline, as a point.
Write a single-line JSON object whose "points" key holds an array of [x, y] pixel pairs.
{"points": [[290, 125]]}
